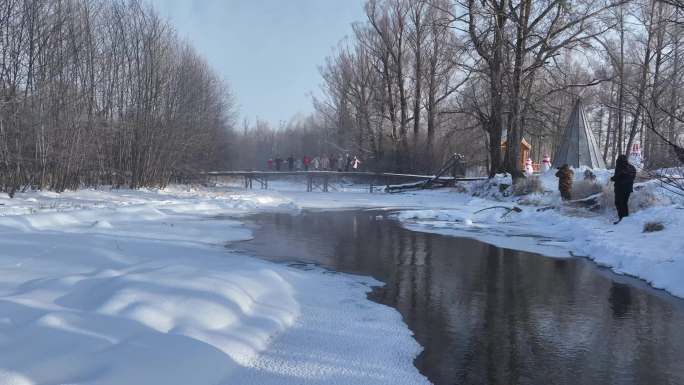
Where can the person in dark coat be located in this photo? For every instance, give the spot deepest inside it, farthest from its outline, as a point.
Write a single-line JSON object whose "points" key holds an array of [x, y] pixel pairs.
{"points": [[565, 175], [624, 184], [290, 163], [347, 163]]}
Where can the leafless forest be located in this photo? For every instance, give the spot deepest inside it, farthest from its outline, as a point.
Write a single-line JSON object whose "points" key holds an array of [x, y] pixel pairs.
{"points": [[421, 79], [103, 92]]}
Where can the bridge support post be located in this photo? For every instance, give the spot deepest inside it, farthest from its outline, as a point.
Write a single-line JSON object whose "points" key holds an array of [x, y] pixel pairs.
{"points": [[309, 183], [325, 183]]}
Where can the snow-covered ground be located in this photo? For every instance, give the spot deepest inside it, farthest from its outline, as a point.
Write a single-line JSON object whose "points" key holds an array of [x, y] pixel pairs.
{"points": [[111, 287], [136, 287]]}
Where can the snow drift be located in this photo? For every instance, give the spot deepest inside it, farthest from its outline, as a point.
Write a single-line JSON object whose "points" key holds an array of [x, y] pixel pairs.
{"points": [[136, 288]]}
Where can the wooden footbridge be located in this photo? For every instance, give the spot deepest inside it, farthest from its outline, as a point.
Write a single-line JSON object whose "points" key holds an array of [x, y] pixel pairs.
{"points": [[324, 180]]}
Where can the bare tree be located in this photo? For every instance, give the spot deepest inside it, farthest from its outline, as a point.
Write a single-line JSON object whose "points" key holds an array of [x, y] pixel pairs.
{"points": [[100, 91]]}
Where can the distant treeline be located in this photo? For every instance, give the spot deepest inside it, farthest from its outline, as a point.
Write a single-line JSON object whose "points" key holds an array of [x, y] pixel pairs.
{"points": [[103, 92]]}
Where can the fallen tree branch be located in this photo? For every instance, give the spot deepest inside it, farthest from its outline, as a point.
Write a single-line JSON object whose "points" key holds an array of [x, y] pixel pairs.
{"points": [[509, 210]]}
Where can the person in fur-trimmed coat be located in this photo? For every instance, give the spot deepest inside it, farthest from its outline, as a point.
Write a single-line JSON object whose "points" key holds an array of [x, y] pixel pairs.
{"points": [[565, 175]]}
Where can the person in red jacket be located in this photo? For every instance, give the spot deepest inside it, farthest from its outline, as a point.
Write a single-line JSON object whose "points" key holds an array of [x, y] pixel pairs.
{"points": [[306, 161]]}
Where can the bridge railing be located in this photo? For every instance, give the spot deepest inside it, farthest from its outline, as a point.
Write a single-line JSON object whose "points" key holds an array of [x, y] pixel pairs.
{"points": [[322, 179]]}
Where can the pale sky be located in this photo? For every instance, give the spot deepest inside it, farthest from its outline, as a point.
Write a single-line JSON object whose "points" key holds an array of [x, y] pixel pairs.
{"points": [[268, 51]]}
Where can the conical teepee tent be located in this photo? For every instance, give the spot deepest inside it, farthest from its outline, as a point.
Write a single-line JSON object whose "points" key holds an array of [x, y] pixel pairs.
{"points": [[578, 146]]}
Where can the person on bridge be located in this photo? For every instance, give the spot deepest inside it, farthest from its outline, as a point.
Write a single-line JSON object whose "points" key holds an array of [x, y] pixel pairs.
{"points": [[565, 175], [316, 163], [356, 164], [269, 163], [333, 163], [325, 162], [347, 162], [307, 162], [278, 163], [290, 162], [624, 185]]}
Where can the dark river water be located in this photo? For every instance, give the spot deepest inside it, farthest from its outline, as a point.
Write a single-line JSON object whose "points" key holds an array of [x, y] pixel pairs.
{"points": [[487, 315]]}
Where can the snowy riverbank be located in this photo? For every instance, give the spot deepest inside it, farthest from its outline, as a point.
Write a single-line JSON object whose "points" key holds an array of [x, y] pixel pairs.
{"points": [[544, 224], [135, 287], [551, 227]]}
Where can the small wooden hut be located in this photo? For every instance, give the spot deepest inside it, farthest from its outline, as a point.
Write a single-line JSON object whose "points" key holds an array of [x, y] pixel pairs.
{"points": [[525, 152]]}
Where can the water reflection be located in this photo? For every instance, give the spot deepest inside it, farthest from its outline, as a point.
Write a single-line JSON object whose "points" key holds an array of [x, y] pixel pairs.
{"points": [[620, 299], [487, 315]]}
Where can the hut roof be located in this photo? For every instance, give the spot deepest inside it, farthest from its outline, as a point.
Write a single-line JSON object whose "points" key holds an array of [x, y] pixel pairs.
{"points": [[523, 143], [578, 146]]}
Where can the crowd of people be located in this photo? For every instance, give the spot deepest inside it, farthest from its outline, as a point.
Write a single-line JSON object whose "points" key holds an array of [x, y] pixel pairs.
{"points": [[323, 162]]}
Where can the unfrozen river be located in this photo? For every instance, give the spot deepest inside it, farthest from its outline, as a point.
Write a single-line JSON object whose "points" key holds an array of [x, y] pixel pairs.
{"points": [[487, 315]]}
